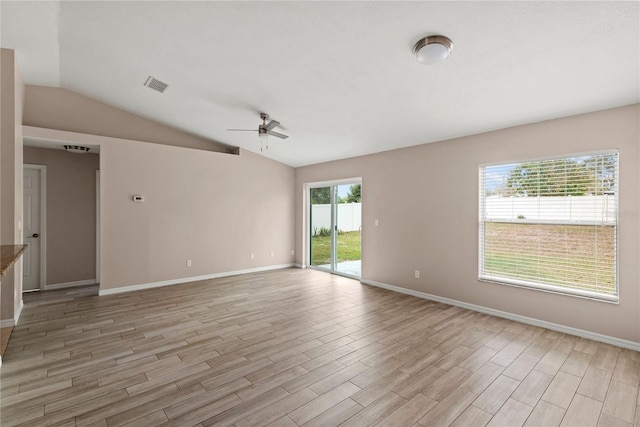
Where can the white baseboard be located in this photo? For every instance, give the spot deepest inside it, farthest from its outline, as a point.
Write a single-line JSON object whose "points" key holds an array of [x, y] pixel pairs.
{"points": [[299, 266], [132, 288], [511, 316], [70, 284], [9, 323]]}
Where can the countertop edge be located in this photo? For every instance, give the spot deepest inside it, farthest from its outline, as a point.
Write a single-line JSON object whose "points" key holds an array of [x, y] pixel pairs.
{"points": [[9, 254]]}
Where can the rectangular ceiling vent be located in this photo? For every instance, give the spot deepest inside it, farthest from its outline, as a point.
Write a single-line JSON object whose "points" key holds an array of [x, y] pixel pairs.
{"points": [[156, 84]]}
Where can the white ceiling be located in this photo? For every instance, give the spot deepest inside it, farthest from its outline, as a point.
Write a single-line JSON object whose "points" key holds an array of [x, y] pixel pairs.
{"points": [[339, 76]]}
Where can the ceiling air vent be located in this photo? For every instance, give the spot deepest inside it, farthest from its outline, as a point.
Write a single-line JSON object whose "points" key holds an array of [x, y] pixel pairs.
{"points": [[156, 84]]}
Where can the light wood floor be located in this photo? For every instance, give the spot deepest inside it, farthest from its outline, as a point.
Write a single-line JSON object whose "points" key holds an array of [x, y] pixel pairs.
{"points": [[300, 347]]}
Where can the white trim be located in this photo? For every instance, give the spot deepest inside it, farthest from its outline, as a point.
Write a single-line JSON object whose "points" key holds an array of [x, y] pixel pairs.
{"points": [[558, 290], [43, 224], [139, 287], [98, 224], [332, 182], [296, 265], [306, 212], [70, 284], [632, 345], [43, 220], [16, 316]]}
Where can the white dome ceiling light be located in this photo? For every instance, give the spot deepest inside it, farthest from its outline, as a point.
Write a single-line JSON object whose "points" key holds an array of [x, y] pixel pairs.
{"points": [[433, 49]]}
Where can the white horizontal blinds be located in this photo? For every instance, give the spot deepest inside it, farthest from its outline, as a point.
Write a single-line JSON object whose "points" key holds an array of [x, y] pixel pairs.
{"points": [[551, 224]]}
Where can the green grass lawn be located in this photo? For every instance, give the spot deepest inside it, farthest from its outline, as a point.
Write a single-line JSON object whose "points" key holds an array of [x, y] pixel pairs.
{"points": [[348, 248], [553, 254]]}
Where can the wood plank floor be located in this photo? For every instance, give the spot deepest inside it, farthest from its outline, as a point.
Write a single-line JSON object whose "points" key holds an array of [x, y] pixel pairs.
{"points": [[299, 347]]}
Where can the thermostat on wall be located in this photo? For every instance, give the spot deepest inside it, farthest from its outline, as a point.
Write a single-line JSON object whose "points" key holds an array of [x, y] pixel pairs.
{"points": [[138, 198]]}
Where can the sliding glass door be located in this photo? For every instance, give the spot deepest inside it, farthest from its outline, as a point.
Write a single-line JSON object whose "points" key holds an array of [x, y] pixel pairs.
{"points": [[320, 227], [335, 228], [348, 229]]}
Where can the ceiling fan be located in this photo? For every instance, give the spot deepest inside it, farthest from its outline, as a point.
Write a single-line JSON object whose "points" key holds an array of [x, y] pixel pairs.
{"points": [[264, 130]]}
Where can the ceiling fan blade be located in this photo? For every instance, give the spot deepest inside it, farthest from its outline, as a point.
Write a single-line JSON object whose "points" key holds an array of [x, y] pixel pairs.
{"points": [[243, 130], [271, 125], [278, 135]]}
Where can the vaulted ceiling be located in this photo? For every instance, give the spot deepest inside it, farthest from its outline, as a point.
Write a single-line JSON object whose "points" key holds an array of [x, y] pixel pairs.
{"points": [[340, 76]]}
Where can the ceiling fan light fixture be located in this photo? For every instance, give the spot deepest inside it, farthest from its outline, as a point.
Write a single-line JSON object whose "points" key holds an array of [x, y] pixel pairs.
{"points": [[264, 130], [433, 49], [263, 135]]}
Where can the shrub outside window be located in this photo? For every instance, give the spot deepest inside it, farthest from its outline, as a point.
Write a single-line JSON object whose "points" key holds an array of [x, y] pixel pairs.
{"points": [[551, 224]]}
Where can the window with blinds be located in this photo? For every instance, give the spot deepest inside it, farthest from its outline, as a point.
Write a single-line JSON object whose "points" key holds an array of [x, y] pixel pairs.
{"points": [[551, 224]]}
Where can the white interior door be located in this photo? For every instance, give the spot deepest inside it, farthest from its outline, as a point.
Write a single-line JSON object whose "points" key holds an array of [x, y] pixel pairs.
{"points": [[32, 229]]}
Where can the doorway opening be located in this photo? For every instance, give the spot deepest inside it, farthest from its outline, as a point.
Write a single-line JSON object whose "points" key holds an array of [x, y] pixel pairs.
{"points": [[335, 227], [61, 217]]}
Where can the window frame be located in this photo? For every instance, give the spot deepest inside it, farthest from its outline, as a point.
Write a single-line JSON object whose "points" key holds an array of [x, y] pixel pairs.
{"points": [[544, 287]]}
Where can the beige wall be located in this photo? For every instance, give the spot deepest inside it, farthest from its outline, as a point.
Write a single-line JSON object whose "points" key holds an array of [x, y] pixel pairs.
{"points": [[57, 108], [71, 213], [211, 207], [12, 94], [442, 242], [215, 209]]}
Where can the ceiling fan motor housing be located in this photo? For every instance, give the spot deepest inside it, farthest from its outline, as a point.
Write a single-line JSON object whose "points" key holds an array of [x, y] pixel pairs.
{"points": [[266, 129]]}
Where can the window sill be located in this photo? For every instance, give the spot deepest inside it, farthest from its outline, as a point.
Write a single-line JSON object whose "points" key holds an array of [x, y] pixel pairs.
{"points": [[594, 296]]}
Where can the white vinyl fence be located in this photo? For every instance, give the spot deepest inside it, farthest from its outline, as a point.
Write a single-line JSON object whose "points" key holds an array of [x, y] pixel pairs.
{"points": [[580, 209], [349, 216]]}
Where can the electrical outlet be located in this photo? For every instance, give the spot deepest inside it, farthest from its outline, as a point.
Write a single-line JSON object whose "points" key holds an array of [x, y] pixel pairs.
{"points": [[252, 256], [417, 274], [293, 252], [188, 263], [376, 222], [272, 254]]}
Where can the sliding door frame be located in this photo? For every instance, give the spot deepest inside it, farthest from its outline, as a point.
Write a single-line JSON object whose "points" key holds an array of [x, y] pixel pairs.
{"points": [[306, 235]]}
